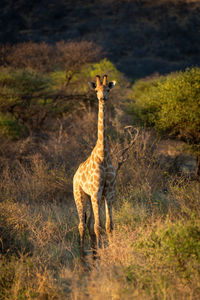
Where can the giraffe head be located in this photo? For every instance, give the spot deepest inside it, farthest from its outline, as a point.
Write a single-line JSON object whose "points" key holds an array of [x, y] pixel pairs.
{"points": [[102, 89]]}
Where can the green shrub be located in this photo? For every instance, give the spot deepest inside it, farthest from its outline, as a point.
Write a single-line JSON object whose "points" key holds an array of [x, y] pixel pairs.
{"points": [[22, 83], [29, 82], [9, 127], [176, 244], [171, 104], [23, 100], [89, 72], [58, 79], [103, 67]]}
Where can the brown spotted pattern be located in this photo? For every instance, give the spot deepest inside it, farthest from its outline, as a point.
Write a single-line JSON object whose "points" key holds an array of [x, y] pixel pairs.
{"points": [[95, 179]]}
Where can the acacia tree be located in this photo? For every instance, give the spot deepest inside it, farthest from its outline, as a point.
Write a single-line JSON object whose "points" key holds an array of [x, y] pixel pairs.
{"points": [[28, 92], [172, 105], [44, 57], [74, 55]]}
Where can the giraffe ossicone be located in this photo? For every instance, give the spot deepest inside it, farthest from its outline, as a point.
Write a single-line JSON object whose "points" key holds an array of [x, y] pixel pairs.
{"points": [[95, 179]]}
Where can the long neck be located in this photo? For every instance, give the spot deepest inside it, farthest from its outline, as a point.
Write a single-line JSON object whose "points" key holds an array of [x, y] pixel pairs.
{"points": [[102, 137]]}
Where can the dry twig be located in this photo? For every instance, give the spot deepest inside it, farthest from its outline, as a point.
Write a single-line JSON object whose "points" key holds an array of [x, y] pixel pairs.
{"points": [[133, 132]]}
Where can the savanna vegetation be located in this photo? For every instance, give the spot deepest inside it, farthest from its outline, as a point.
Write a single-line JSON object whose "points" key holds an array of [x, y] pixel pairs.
{"points": [[172, 105], [48, 126]]}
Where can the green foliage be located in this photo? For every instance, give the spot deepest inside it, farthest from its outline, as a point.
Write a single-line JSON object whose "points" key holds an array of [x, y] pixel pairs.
{"points": [[30, 83], [131, 214], [170, 104], [181, 241], [23, 100], [89, 72], [22, 83], [9, 127], [175, 244], [58, 79], [6, 277], [29, 96], [103, 67]]}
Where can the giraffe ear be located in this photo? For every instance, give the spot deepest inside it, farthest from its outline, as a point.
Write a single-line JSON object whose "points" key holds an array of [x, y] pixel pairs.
{"points": [[92, 85], [111, 84]]}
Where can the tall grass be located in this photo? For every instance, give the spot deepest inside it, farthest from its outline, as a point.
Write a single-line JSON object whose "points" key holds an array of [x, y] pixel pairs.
{"points": [[155, 246]]}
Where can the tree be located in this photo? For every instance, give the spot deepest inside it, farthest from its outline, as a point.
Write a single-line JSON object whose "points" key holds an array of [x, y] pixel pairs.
{"points": [[30, 83], [172, 105], [74, 55]]}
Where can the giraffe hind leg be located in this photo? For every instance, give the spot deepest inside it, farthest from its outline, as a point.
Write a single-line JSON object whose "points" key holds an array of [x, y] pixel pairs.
{"points": [[108, 206], [81, 200], [90, 225], [96, 210]]}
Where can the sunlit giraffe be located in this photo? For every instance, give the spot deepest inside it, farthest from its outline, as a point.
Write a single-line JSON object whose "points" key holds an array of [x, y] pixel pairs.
{"points": [[95, 179]]}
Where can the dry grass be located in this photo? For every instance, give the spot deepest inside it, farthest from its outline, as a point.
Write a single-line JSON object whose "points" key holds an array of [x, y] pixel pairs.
{"points": [[152, 257], [36, 242], [40, 252], [153, 253]]}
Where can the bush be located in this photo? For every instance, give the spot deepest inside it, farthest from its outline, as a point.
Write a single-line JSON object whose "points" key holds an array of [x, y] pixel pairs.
{"points": [[22, 83], [23, 100], [171, 105], [79, 83], [176, 244], [9, 127]]}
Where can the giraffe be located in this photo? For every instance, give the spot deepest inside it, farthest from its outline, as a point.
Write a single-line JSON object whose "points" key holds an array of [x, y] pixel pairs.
{"points": [[95, 179]]}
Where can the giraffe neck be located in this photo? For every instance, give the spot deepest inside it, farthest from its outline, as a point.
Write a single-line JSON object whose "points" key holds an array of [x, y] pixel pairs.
{"points": [[102, 125]]}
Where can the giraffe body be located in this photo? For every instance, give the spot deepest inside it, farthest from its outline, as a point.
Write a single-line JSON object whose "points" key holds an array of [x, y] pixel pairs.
{"points": [[95, 179]]}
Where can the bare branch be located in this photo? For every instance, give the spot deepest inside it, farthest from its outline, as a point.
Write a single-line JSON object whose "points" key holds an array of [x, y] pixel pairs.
{"points": [[133, 132]]}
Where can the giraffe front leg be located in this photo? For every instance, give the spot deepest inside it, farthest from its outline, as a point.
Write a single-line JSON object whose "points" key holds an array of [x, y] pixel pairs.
{"points": [[80, 201]]}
